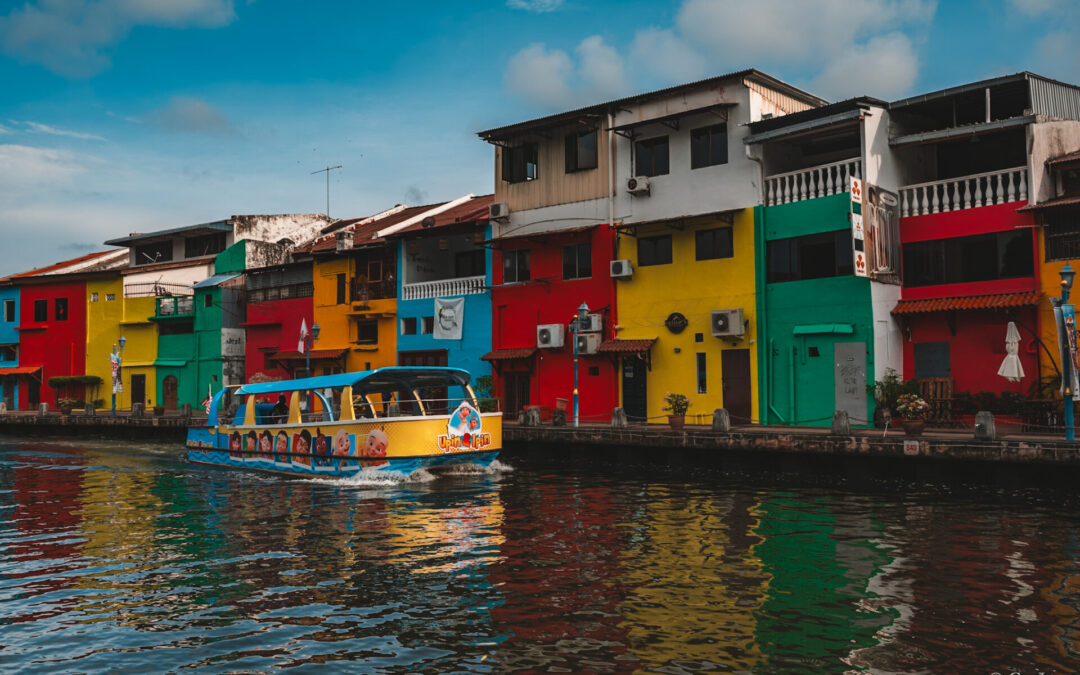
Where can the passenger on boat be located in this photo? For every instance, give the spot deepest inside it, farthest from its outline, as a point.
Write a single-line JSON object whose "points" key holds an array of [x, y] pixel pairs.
{"points": [[280, 412]]}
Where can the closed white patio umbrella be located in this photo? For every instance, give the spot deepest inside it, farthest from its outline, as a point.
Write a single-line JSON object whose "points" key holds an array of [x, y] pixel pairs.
{"points": [[1011, 368]]}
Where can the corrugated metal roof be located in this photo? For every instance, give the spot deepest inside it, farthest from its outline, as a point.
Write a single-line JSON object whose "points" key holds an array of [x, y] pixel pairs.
{"points": [[91, 262], [474, 210], [201, 228], [216, 280], [997, 301]]}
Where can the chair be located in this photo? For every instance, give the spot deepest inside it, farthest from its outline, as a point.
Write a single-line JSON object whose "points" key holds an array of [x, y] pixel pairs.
{"points": [[938, 392]]}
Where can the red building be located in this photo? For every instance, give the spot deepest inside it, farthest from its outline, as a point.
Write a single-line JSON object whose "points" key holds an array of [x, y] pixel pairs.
{"points": [[967, 274], [279, 299], [540, 280]]}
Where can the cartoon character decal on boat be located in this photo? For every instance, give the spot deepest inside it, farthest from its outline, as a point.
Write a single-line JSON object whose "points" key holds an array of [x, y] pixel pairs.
{"points": [[464, 431]]}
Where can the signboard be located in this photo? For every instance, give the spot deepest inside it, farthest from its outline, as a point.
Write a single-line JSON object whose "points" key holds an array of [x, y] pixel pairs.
{"points": [[856, 190], [881, 217], [449, 315], [858, 246]]}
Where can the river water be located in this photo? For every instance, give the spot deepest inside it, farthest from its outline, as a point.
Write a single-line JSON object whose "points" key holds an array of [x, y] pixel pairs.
{"points": [[124, 558]]}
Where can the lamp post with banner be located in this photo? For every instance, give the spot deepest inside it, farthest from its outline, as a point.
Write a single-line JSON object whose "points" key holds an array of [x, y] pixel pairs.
{"points": [[575, 324], [114, 367], [1065, 317]]}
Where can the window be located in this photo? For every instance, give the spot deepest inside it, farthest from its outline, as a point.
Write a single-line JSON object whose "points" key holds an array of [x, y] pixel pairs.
{"points": [[9, 310], [519, 163], [408, 325], [932, 359], [94, 297], [1070, 181], [469, 264], [427, 325], [8, 353], [654, 250], [367, 332], [983, 257], [374, 270], [515, 265], [577, 261], [701, 382], [154, 252], [708, 146], [207, 244], [813, 256], [208, 300], [1062, 239], [41, 310], [651, 157], [176, 328], [341, 294], [581, 151], [715, 243], [60, 307], [109, 297]]}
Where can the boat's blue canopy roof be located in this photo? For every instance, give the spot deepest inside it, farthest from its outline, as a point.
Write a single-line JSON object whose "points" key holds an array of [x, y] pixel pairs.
{"points": [[408, 377]]}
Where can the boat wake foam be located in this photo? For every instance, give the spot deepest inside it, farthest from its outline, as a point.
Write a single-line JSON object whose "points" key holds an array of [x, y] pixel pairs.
{"points": [[374, 478]]}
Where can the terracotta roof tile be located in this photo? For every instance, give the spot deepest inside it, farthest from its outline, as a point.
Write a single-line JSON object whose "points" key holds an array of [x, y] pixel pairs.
{"points": [[626, 346], [1055, 203], [509, 354], [998, 301]]}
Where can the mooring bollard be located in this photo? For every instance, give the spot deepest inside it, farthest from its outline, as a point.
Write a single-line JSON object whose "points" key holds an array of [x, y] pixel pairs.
{"points": [[3, 408], [985, 430], [137, 410], [532, 416], [721, 420], [43, 409], [841, 424], [618, 419], [185, 410], [89, 410]]}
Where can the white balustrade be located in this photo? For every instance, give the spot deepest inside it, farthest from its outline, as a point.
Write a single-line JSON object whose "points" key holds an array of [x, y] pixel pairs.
{"points": [[442, 288], [816, 181], [965, 192]]}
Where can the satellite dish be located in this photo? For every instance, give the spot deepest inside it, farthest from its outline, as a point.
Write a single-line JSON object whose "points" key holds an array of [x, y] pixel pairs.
{"points": [[428, 222]]}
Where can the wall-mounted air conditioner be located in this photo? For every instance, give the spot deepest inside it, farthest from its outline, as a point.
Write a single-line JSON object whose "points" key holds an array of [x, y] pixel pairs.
{"points": [[594, 323], [587, 343], [499, 211], [550, 335], [621, 269], [728, 323], [638, 185]]}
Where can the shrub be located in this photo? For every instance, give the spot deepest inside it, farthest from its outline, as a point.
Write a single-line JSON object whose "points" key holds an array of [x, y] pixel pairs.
{"points": [[676, 404]]}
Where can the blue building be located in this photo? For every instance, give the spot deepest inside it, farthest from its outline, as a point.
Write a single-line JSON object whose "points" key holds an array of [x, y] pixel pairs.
{"points": [[9, 345], [444, 298]]}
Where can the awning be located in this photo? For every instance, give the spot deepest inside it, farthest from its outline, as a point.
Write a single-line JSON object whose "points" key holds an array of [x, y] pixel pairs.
{"points": [[537, 235], [20, 370], [315, 355], [509, 354], [1049, 204], [824, 329], [216, 280], [168, 363], [672, 120], [626, 346], [998, 301]]}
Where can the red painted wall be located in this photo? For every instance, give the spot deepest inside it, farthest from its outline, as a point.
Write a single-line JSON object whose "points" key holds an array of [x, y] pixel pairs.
{"points": [[58, 346], [274, 326], [517, 309]]}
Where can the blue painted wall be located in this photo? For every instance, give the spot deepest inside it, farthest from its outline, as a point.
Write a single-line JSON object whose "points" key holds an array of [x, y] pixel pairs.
{"points": [[475, 334], [8, 335]]}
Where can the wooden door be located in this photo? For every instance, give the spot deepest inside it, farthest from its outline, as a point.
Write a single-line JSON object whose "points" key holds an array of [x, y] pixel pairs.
{"points": [[168, 393], [515, 392], [735, 376], [635, 389], [138, 389]]}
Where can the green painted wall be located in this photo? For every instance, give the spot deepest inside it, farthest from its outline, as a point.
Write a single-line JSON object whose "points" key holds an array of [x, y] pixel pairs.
{"points": [[208, 337], [812, 216], [232, 259], [176, 348]]}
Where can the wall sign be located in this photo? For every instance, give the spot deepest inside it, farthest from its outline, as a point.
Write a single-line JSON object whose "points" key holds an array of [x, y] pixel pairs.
{"points": [[676, 322]]}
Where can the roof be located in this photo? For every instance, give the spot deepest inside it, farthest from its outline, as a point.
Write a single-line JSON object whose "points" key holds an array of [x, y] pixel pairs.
{"points": [[101, 261], [315, 354], [544, 233], [1065, 159], [20, 370], [997, 301], [626, 346], [812, 115], [475, 210], [381, 378], [1050, 204], [365, 230], [981, 84], [601, 108], [201, 228], [509, 354], [216, 280]]}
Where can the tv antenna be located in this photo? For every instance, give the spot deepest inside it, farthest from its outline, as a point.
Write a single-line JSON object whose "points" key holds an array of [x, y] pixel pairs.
{"points": [[327, 171]]}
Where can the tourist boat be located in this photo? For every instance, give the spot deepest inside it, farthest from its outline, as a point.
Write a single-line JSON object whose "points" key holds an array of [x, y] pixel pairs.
{"points": [[388, 420]]}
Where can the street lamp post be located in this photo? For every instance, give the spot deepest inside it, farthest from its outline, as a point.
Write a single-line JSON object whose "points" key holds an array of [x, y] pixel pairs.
{"points": [[309, 340], [579, 320], [114, 363], [1066, 338]]}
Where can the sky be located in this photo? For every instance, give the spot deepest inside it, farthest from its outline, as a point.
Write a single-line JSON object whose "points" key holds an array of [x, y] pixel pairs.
{"points": [[121, 116]]}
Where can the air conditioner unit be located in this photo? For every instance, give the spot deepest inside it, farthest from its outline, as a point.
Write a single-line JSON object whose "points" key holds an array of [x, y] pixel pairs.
{"points": [[638, 185], [587, 343], [499, 211], [727, 323], [594, 323], [550, 336], [621, 269]]}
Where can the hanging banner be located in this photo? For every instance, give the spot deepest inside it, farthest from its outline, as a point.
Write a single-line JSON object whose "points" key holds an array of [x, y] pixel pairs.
{"points": [[858, 246], [856, 190], [1068, 318], [881, 212], [449, 315], [117, 381]]}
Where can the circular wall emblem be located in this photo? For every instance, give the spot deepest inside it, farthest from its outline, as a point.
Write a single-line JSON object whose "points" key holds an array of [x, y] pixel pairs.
{"points": [[676, 322]]}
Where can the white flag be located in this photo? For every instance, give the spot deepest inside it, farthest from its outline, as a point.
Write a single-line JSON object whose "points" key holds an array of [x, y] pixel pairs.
{"points": [[302, 347]]}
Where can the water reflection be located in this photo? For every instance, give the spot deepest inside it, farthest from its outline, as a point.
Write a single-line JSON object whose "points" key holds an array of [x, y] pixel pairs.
{"points": [[124, 557]]}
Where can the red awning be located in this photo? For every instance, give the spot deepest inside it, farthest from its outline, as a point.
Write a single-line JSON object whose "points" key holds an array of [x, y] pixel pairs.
{"points": [[20, 370], [315, 355], [509, 354], [999, 301], [626, 346], [1056, 203]]}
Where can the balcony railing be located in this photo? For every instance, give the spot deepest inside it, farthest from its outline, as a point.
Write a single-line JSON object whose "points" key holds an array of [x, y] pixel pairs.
{"points": [[364, 290], [175, 305], [816, 181], [966, 192], [149, 290], [442, 288]]}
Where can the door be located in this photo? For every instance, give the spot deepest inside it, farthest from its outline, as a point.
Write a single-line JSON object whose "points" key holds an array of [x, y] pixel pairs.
{"points": [[9, 392], [635, 389], [515, 392], [138, 389], [168, 393], [33, 392], [850, 360], [735, 382]]}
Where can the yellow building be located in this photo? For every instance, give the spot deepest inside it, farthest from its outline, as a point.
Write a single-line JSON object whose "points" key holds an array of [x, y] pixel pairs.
{"points": [[684, 273], [110, 315]]}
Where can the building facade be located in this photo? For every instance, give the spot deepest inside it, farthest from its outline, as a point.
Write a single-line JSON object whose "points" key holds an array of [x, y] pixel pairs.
{"points": [[9, 346]]}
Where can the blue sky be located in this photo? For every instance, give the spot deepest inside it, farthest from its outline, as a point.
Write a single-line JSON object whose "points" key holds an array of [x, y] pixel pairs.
{"points": [[121, 116]]}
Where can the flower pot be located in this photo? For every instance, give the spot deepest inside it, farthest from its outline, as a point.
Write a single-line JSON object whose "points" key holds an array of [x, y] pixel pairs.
{"points": [[159, 410], [676, 421], [66, 410], [914, 427]]}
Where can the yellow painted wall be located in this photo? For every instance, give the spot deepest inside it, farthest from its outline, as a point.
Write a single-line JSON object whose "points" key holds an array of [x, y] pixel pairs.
{"points": [[142, 347], [1050, 286], [337, 323], [106, 321], [693, 288]]}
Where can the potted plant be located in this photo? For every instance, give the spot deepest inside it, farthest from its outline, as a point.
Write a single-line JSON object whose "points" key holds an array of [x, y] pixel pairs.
{"points": [[676, 405], [913, 409], [65, 405]]}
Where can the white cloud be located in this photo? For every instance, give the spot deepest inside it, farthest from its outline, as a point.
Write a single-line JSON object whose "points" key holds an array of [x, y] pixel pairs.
{"points": [[24, 166], [537, 6], [602, 71], [53, 131], [1036, 7], [4, 130], [886, 67], [72, 37], [668, 55], [192, 115], [540, 76]]}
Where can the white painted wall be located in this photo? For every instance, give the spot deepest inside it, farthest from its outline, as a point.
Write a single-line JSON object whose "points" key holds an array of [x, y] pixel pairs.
{"points": [[1047, 140], [554, 218], [186, 276]]}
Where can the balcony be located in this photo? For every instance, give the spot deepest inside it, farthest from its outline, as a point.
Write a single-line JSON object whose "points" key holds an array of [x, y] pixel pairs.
{"points": [[150, 290], [363, 290], [442, 288], [966, 192], [811, 183], [174, 306]]}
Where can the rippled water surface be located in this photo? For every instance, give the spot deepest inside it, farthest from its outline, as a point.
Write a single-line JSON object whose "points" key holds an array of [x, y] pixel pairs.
{"points": [[122, 557]]}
